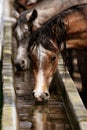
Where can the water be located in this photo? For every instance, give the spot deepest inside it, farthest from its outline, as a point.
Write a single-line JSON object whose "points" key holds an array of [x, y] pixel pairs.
{"points": [[46, 116]]}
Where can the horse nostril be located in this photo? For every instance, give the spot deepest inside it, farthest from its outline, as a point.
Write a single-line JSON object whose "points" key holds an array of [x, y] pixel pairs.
{"points": [[22, 61], [47, 94], [44, 96], [33, 94], [17, 65]]}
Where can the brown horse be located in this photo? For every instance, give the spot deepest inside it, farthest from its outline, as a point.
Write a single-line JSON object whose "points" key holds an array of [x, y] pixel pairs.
{"points": [[46, 42]]}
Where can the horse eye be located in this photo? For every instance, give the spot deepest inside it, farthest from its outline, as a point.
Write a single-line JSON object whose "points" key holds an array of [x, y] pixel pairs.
{"points": [[53, 59]]}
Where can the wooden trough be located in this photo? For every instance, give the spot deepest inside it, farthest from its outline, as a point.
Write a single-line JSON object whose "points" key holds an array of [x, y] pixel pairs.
{"points": [[77, 113]]}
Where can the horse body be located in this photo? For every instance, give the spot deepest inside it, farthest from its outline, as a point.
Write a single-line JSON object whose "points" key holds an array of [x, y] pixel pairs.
{"points": [[22, 5], [76, 23]]}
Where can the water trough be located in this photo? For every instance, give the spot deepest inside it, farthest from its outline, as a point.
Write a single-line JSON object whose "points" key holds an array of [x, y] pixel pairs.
{"points": [[75, 109]]}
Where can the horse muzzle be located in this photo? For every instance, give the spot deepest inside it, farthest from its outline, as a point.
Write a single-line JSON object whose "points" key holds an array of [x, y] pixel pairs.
{"points": [[41, 97], [22, 64]]}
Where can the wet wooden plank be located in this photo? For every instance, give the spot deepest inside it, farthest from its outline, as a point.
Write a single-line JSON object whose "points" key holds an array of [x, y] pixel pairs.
{"points": [[9, 111], [1, 27], [74, 105]]}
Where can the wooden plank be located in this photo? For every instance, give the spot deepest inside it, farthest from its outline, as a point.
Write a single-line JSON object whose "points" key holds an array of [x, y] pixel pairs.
{"points": [[1, 26], [74, 106], [10, 119]]}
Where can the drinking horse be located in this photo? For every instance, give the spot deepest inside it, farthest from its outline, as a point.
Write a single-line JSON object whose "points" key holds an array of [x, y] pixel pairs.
{"points": [[43, 50], [33, 19], [46, 42]]}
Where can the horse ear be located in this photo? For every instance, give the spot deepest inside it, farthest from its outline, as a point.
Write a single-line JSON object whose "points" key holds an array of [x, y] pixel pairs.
{"points": [[33, 16], [15, 14]]}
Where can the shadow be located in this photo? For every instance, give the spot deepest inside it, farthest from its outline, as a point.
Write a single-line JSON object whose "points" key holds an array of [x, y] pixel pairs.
{"points": [[82, 64]]}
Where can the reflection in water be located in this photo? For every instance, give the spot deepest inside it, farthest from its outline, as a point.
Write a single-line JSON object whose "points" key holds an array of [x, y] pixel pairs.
{"points": [[50, 118], [47, 116]]}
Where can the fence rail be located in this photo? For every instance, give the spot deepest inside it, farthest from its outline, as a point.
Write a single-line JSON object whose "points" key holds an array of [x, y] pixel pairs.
{"points": [[10, 119], [1, 26], [75, 108]]}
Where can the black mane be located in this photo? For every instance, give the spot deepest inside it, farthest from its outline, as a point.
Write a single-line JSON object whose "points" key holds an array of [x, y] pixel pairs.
{"points": [[53, 29]]}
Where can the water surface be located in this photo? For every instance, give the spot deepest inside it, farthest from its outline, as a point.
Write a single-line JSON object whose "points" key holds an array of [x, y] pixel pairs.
{"points": [[46, 116]]}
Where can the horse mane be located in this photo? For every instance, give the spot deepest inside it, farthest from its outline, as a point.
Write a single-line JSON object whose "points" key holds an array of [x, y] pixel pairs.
{"points": [[53, 29]]}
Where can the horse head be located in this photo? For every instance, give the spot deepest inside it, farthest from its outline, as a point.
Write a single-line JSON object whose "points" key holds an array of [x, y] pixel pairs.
{"points": [[22, 31], [43, 51]]}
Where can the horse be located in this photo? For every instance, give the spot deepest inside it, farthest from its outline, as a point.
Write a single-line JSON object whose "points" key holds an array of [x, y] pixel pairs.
{"points": [[25, 26], [22, 36], [46, 42], [43, 53]]}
